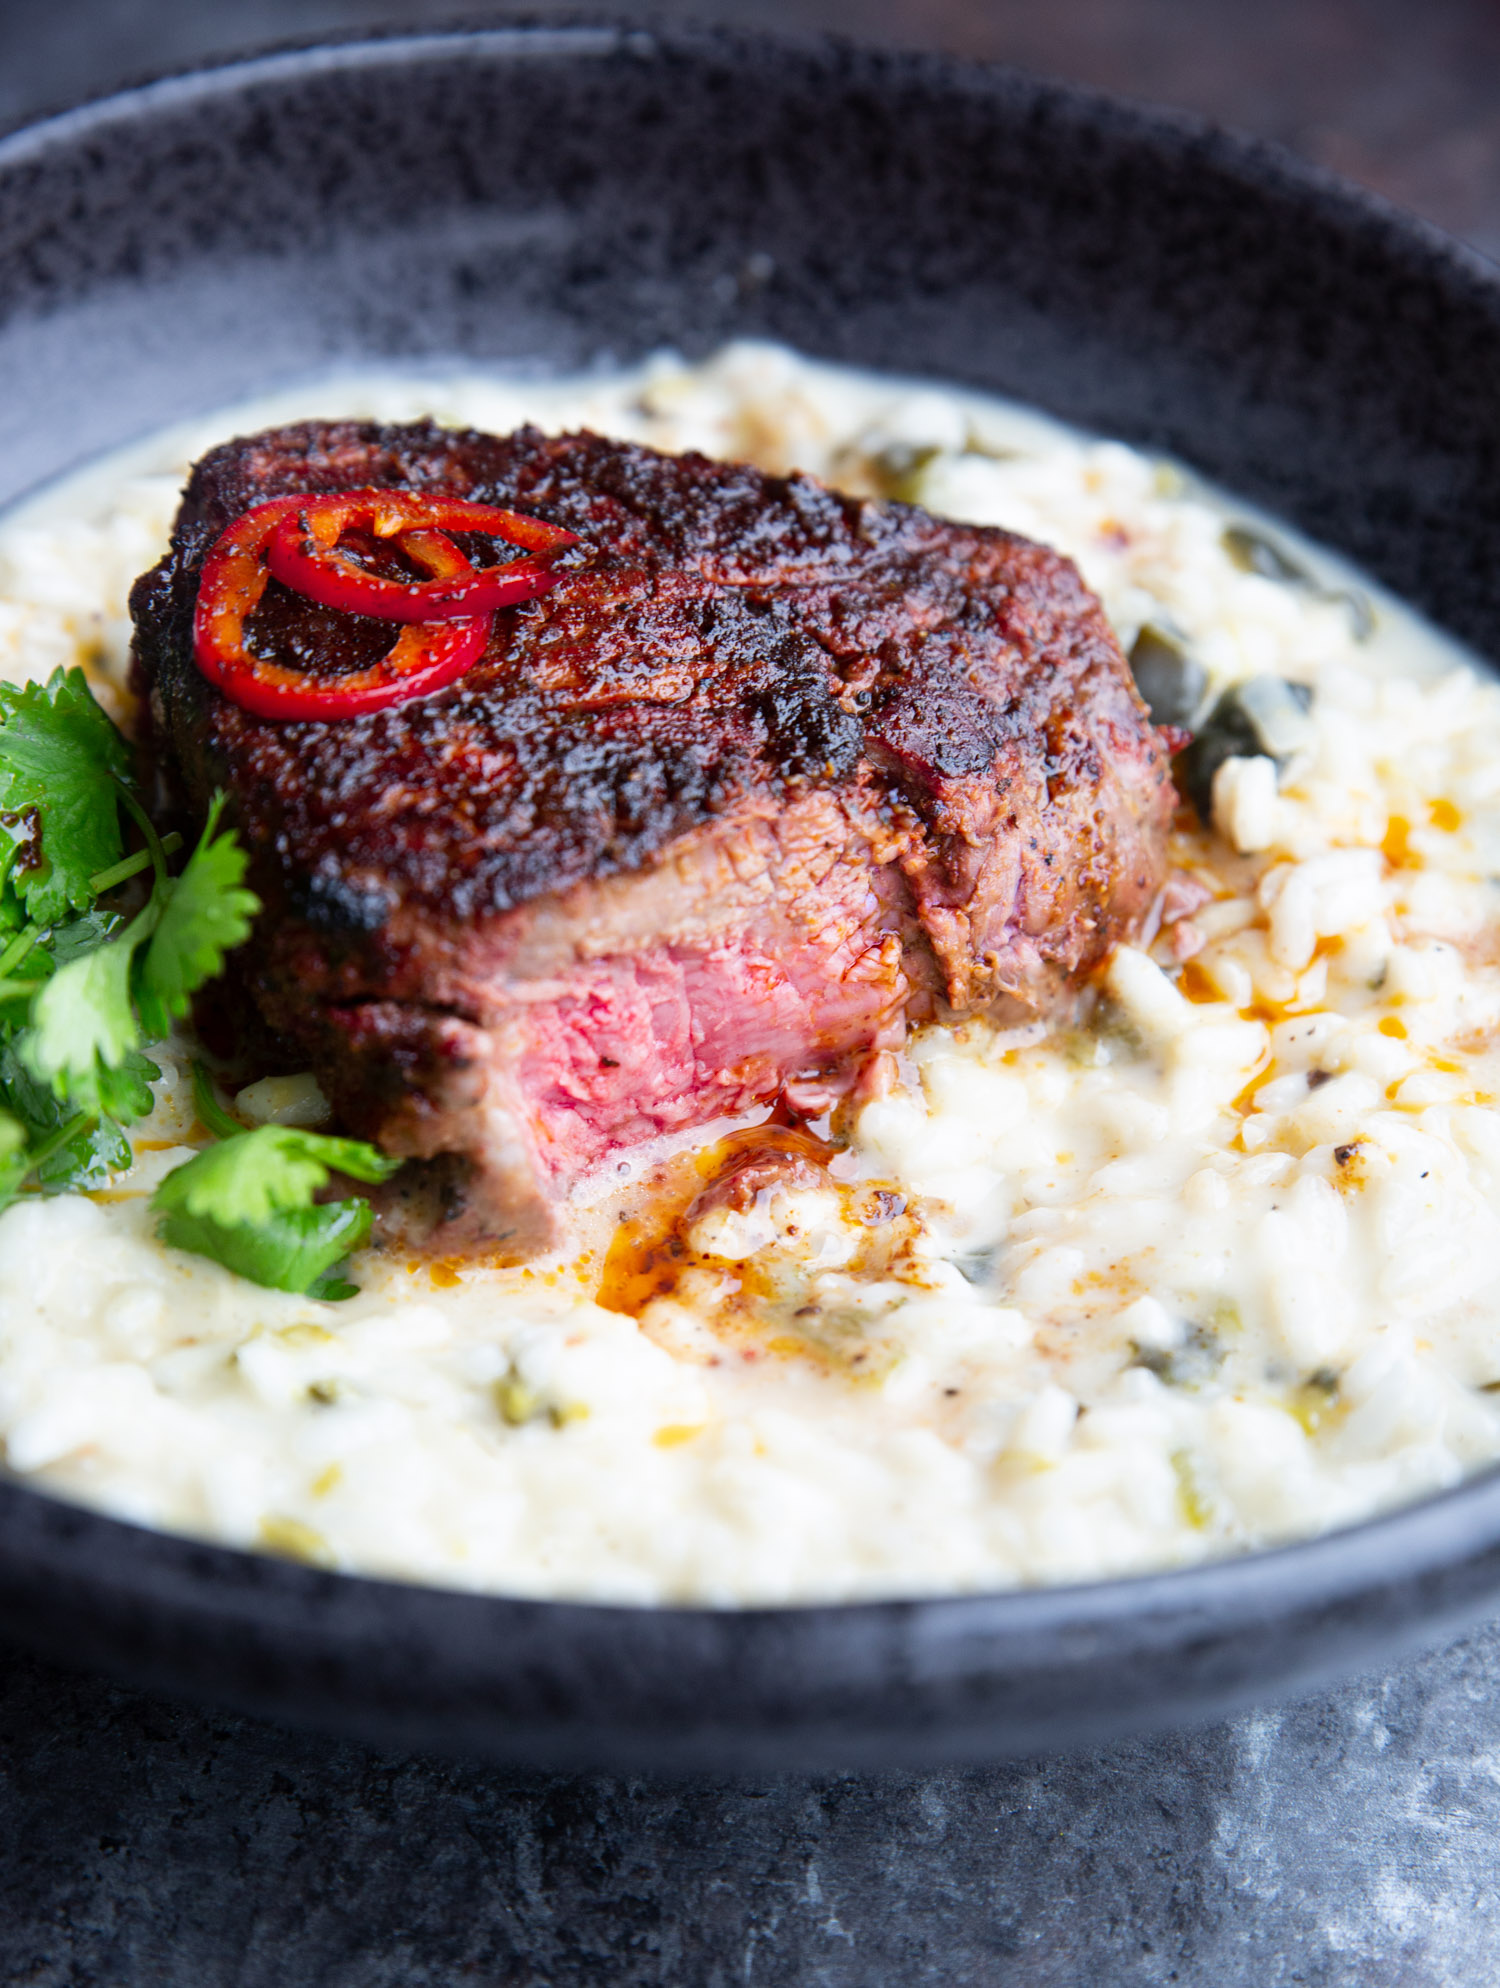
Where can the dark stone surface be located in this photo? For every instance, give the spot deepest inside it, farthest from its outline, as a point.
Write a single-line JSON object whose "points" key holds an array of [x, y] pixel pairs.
{"points": [[1349, 1839]]}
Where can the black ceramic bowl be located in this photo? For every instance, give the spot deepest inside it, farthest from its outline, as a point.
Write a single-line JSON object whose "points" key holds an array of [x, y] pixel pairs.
{"points": [[558, 197]]}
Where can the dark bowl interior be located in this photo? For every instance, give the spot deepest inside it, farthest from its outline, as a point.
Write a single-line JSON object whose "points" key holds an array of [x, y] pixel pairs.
{"points": [[561, 197]]}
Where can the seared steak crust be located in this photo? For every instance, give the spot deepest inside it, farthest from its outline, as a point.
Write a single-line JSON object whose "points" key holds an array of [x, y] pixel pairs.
{"points": [[770, 769]]}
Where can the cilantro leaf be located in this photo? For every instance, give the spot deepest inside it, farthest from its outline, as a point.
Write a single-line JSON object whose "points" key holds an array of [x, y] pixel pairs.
{"points": [[82, 1022], [292, 1250], [206, 912], [14, 1164], [266, 1172], [96, 1146], [96, 1150], [60, 761], [23, 1096], [81, 935], [332, 1288], [124, 1092], [247, 1202]]}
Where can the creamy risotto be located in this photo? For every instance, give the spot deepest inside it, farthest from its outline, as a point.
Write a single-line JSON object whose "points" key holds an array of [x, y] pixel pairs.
{"points": [[1217, 1267]]}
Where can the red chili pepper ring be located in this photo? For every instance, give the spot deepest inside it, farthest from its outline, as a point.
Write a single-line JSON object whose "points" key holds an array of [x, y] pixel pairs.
{"points": [[303, 554], [449, 615]]}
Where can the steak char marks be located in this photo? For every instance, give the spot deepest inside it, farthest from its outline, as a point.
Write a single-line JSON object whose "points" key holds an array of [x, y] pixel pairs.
{"points": [[770, 772]]}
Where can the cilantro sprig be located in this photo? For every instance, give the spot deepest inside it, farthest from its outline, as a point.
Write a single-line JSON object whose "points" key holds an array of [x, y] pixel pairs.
{"points": [[205, 914], [83, 985], [86, 984], [250, 1200]]}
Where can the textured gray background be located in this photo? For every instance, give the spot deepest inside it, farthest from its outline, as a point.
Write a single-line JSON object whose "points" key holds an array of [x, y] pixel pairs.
{"points": [[1351, 1839]]}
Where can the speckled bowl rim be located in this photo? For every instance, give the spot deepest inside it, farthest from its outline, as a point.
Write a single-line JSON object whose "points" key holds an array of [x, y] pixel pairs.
{"points": [[541, 1681]]}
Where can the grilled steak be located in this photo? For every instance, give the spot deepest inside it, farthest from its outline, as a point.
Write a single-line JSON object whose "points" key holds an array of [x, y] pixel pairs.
{"points": [[771, 772]]}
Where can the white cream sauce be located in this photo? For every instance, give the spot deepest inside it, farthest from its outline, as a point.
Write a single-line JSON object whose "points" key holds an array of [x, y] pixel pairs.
{"points": [[1221, 1270]]}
